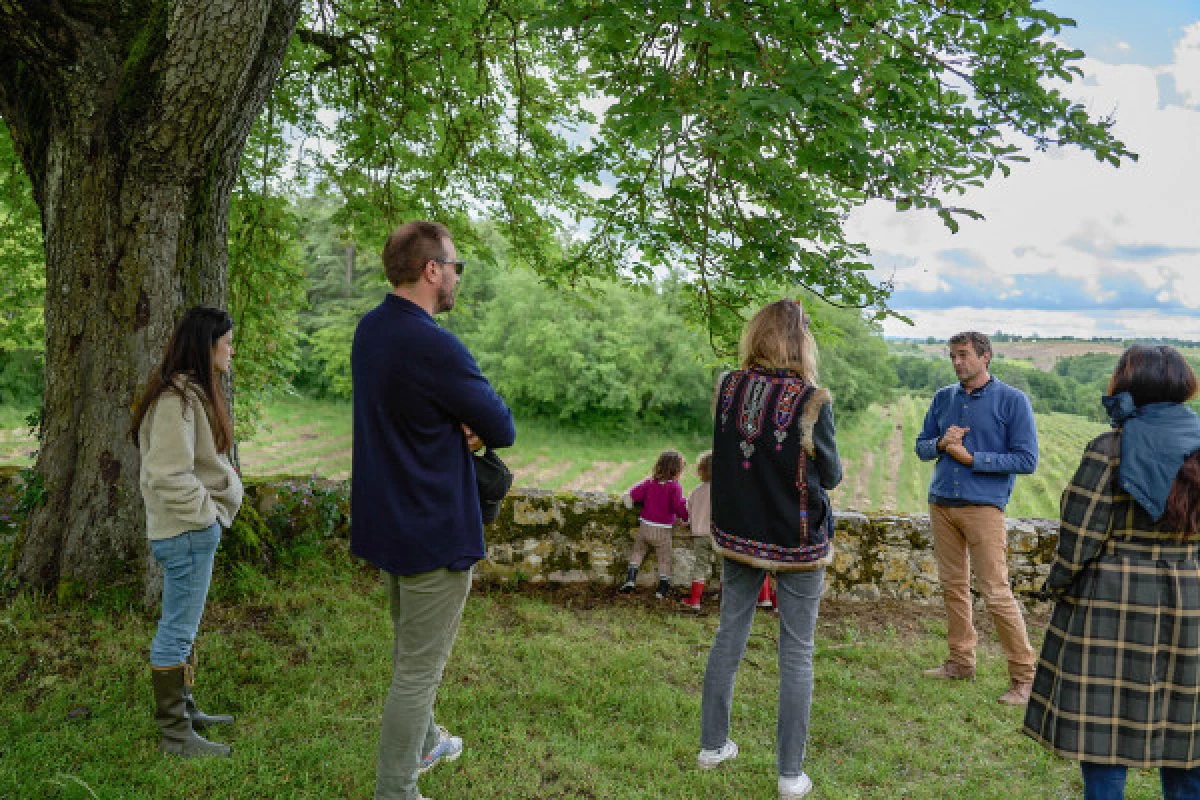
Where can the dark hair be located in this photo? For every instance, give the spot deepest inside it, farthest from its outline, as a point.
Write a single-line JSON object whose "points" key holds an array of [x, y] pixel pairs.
{"points": [[704, 466], [1153, 374], [410, 247], [978, 341], [1160, 374], [189, 353], [669, 466], [1182, 511]]}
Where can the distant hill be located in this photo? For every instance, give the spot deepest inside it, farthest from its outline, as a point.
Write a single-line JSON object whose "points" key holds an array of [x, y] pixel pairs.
{"points": [[1043, 353]]}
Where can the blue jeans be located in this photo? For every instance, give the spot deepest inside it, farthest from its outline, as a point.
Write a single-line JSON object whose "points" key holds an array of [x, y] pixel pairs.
{"points": [[1107, 782], [799, 599], [187, 562]]}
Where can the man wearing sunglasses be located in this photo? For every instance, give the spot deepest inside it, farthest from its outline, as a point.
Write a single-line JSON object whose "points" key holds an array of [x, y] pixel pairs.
{"points": [[418, 398]]}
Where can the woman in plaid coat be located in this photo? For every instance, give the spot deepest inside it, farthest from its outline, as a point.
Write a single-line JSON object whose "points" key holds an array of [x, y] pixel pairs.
{"points": [[1118, 680]]}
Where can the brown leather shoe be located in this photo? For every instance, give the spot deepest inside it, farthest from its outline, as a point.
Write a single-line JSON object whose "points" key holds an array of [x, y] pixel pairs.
{"points": [[951, 671], [1017, 694]]}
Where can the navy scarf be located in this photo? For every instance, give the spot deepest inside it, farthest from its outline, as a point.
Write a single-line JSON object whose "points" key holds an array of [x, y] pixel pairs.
{"points": [[1156, 438]]}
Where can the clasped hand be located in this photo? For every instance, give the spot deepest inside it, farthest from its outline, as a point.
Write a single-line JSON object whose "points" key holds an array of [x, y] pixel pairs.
{"points": [[952, 443]]}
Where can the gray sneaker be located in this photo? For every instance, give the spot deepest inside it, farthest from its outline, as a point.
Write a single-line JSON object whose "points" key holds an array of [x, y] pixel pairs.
{"points": [[448, 748]]}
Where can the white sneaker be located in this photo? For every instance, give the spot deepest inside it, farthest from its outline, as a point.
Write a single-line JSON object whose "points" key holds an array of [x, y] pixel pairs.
{"points": [[448, 748], [712, 758], [794, 788]]}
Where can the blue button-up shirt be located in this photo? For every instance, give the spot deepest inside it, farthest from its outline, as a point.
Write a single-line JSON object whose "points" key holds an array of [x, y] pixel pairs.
{"points": [[1002, 438]]}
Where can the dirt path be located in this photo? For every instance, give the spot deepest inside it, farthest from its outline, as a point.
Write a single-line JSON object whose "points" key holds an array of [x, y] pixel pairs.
{"points": [[597, 479], [543, 477], [894, 458], [523, 473], [860, 497]]}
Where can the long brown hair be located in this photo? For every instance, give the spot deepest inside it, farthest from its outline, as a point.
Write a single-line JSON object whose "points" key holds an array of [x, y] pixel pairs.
{"points": [[1160, 374], [777, 337], [189, 354]]}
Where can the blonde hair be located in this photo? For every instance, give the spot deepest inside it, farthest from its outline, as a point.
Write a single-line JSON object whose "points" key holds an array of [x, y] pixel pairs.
{"points": [[777, 337]]}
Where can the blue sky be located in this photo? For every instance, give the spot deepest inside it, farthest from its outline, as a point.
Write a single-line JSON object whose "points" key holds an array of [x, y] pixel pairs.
{"points": [[1070, 246]]}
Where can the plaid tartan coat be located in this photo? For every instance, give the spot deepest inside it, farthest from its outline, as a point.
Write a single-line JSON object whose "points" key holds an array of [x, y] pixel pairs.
{"points": [[1118, 679]]}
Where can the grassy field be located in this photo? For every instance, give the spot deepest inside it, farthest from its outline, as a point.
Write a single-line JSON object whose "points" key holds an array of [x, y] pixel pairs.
{"points": [[884, 474], [580, 694], [303, 437]]}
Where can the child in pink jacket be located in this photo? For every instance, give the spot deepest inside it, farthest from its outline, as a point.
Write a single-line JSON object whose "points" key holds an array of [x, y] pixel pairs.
{"points": [[661, 499]]}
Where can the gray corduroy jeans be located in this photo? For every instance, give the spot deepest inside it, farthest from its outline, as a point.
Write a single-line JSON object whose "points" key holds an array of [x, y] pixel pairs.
{"points": [[799, 599], [426, 610]]}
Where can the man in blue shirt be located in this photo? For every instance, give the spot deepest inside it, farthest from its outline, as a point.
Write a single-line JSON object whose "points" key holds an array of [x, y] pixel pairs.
{"points": [[982, 434], [420, 404]]}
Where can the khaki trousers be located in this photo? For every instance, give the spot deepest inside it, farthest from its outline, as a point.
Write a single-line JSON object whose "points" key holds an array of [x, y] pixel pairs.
{"points": [[660, 539], [426, 610], [975, 536]]}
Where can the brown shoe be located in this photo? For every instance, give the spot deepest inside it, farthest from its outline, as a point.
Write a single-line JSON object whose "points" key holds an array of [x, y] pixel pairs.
{"points": [[951, 671], [1017, 694]]}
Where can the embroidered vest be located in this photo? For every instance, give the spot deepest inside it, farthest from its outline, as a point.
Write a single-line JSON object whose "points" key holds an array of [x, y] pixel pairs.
{"points": [[768, 506]]}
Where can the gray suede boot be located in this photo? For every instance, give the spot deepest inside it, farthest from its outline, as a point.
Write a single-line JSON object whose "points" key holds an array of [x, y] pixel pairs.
{"points": [[171, 716], [199, 719]]}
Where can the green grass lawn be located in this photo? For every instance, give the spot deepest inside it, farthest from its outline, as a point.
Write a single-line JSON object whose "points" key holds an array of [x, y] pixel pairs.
{"points": [[302, 436], [566, 694]]}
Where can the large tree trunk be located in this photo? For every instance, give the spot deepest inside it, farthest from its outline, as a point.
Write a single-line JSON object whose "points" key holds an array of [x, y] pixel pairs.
{"points": [[131, 129]]}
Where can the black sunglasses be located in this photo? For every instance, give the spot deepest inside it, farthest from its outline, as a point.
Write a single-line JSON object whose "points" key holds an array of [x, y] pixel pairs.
{"points": [[458, 264]]}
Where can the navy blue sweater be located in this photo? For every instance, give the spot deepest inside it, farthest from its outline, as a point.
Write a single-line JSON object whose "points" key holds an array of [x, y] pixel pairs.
{"points": [[414, 502], [1003, 440]]}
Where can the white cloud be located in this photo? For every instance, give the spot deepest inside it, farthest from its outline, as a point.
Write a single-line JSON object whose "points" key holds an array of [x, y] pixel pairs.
{"points": [[1186, 67], [1069, 214], [944, 323]]}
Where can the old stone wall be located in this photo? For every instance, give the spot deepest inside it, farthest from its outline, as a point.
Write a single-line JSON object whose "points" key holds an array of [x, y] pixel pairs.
{"points": [[548, 537], [553, 537]]}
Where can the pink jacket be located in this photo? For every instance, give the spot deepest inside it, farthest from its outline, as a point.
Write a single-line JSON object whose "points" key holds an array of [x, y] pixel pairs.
{"points": [[661, 502]]}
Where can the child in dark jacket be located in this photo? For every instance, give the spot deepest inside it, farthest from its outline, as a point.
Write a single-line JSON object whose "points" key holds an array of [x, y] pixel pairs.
{"points": [[661, 499]]}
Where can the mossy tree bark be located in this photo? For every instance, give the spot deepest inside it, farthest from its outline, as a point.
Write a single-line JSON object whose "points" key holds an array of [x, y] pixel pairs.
{"points": [[130, 120]]}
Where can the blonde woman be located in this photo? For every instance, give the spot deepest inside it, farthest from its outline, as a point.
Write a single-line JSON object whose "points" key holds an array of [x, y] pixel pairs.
{"points": [[774, 457], [190, 488]]}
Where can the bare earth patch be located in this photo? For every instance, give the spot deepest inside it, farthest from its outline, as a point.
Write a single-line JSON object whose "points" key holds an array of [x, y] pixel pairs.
{"points": [[540, 475], [893, 460], [597, 479], [861, 495]]}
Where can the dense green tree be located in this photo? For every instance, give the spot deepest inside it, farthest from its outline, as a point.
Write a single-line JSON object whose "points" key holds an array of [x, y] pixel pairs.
{"points": [[22, 283], [734, 138], [922, 373], [607, 358], [854, 360]]}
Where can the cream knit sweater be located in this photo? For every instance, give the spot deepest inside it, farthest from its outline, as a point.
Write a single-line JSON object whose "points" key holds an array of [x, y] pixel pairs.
{"points": [[186, 484]]}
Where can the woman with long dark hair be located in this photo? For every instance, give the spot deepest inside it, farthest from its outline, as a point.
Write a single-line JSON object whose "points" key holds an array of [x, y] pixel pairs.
{"points": [[774, 456], [190, 488], [1118, 680]]}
